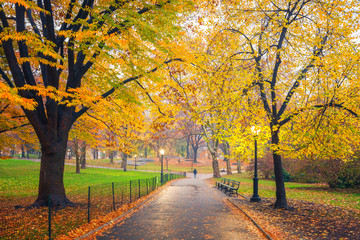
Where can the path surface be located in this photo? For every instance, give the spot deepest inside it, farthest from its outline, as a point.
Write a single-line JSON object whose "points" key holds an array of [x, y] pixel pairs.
{"points": [[187, 209]]}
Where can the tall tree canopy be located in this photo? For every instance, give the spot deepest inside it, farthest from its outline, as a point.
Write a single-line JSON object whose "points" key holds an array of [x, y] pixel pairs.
{"points": [[65, 56], [299, 55]]}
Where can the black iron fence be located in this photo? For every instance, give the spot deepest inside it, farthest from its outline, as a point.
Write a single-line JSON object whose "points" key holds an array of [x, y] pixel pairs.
{"points": [[18, 221]]}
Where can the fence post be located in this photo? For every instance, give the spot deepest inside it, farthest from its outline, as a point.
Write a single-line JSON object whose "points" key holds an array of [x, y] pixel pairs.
{"points": [[49, 217], [89, 204], [147, 186], [113, 195], [122, 197], [139, 187], [130, 190]]}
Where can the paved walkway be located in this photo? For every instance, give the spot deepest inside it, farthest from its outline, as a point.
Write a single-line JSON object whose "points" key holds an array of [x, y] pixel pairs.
{"points": [[187, 209]]}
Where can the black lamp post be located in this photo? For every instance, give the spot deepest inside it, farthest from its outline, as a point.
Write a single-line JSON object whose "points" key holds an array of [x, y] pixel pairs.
{"points": [[162, 165], [255, 197], [135, 161]]}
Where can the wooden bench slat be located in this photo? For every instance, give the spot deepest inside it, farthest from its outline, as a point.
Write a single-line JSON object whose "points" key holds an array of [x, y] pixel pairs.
{"points": [[230, 186]]}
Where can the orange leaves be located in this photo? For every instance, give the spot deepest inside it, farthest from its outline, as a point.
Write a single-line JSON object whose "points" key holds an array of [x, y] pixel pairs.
{"points": [[73, 97], [10, 95]]}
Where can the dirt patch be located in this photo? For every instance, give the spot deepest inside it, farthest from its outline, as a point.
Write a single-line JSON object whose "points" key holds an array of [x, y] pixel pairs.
{"points": [[305, 220]]}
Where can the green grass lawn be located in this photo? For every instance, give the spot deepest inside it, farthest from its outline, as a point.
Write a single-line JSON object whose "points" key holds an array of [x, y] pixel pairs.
{"points": [[319, 193], [20, 178]]}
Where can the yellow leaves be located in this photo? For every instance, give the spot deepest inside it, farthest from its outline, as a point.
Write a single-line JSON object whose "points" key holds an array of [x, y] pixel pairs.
{"points": [[10, 95], [79, 96], [24, 3], [73, 97], [36, 45]]}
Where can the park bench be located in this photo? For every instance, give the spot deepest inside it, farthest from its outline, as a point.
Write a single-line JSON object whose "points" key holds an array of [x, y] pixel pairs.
{"points": [[223, 183], [229, 186], [218, 184]]}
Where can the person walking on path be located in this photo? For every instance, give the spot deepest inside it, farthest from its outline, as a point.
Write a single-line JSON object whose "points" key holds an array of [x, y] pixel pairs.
{"points": [[195, 171]]}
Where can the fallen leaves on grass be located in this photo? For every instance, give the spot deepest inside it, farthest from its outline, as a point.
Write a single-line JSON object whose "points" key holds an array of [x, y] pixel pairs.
{"points": [[107, 219], [304, 219]]}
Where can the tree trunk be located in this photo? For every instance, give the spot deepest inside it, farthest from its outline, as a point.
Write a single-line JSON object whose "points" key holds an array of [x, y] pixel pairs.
{"points": [[124, 161], [195, 154], [281, 201], [187, 149], [22, 152], [94, 153], [27, 154], [238, 166], [51, 174], [77, 155], [83, 156], [12, 151], [111, 156], [215, 165], [146, 152], [228, 166], [226, 150]]}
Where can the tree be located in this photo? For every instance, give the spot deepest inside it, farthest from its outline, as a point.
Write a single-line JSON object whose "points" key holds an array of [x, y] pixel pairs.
{"points": [[192, 133], [84, 132], [52, 49], [292, 48]]}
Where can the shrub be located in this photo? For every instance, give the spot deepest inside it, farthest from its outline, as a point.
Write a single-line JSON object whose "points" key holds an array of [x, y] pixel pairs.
{"points": [[349, 176]]}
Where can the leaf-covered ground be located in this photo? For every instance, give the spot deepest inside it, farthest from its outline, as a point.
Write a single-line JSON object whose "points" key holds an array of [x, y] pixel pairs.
{"points": [[304, 220]]}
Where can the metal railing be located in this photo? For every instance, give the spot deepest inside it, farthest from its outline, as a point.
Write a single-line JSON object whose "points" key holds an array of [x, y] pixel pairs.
{"points": [[20, 222]]}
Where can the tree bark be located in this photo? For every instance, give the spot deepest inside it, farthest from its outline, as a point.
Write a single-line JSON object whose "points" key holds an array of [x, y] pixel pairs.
{"points": [[238, 166], [215, 165], [111, 156], [94, 153], [77, 155], [226, 150], [187, 148], [195, 153], [83, 155], [281, 201], [124, 161], [228, 166], [51, 182], [22, 152], [146, 152], [12, 151]]}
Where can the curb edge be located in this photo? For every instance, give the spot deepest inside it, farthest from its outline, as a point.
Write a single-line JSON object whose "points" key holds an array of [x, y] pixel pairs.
{"points": [[252, 220]]}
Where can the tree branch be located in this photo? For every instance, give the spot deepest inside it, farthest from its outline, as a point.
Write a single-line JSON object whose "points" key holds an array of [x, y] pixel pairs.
{"points": [[13, 128], [6, 78], [302, 75], [325, 106], [112, 90]]}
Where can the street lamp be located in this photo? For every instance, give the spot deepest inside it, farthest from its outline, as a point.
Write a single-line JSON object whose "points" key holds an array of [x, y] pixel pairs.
{"points": [[162, 165], [255, 197], [135, 161]]}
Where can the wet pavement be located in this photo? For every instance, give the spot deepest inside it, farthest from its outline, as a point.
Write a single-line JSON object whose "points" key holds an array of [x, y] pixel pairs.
{"points": [[187, 209]]}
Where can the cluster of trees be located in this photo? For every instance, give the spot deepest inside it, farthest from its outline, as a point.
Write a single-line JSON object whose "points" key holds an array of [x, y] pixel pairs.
{"points": [[288, 67], [138, 70]]}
